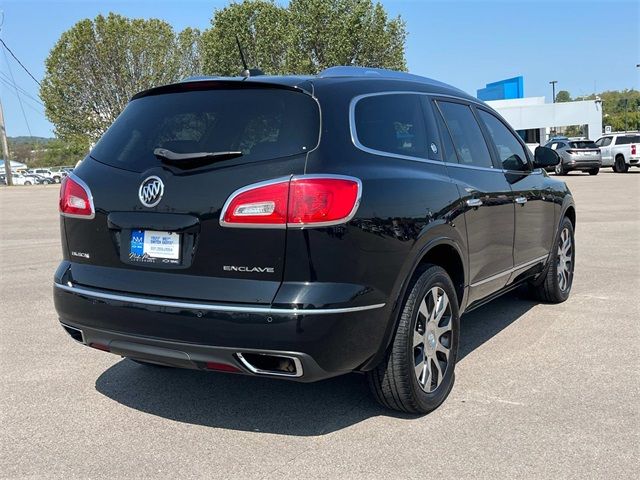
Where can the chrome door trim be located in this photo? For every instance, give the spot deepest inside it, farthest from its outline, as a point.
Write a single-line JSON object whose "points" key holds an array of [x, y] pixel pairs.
{"points": [[208, 306], [510, 271]]}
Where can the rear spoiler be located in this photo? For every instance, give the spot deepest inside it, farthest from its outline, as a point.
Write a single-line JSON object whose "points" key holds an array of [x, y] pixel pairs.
{"points": [[226, 83]]}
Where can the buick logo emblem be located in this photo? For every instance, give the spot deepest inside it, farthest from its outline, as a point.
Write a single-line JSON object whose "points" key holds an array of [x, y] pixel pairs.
{"points": [[151, 191]]}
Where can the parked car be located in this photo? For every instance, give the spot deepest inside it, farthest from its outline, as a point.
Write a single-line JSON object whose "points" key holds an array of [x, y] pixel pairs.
{"points": [[42, 180], [620, 151], [583, 155], [21, 179], [212, 227]]}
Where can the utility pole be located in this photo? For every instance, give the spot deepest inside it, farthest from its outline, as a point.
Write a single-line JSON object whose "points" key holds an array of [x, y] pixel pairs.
{"points": [[553, 86], [5, 149]]}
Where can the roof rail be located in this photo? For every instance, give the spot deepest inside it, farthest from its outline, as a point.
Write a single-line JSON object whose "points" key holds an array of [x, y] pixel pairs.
{"points": [[349, 71]]}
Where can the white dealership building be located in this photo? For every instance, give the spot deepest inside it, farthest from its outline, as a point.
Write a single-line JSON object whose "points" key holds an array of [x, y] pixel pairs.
{"points": [[535, 120]]}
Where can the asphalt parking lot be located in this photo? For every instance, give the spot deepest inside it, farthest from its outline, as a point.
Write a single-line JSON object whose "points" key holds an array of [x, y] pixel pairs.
{"points": [[542, 391]]}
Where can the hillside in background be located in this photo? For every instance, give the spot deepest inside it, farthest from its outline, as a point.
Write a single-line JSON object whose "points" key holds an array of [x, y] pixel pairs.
{"points": [[44, 152]]}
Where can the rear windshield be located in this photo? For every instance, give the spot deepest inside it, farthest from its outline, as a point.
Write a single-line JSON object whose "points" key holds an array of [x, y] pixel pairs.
{"points": [[583, 144], [260, 123], [627, 139]]}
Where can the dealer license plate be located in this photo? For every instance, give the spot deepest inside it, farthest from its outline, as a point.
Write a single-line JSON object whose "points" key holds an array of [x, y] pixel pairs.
{"points": [[153, 244]]}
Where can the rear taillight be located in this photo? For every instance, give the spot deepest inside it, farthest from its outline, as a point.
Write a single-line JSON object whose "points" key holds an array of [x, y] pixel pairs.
{"points": [[633, 149], [75, 199], [314, 200]]}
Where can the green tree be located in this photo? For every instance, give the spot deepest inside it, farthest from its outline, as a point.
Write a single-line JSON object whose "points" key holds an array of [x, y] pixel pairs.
{"points": [[97, 65], [62, 152], [303, 38], [326, 33], [563, 96], [262, 28], [618, 104]]}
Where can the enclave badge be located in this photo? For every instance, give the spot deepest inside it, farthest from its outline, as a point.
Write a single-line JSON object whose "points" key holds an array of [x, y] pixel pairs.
{"points": [[151, 191]]}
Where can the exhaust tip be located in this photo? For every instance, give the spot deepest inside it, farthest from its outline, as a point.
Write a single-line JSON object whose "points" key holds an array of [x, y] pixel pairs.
{"points": [[74, 333], [271, 364]]}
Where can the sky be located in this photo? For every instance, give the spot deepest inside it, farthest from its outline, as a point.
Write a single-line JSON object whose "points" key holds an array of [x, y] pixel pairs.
{"points": [[586, 45]]}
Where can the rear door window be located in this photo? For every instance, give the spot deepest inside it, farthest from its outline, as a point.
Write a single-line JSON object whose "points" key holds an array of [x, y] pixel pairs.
{"points": [[392, 123], [262, 123], [627, 139], [467, 137]]}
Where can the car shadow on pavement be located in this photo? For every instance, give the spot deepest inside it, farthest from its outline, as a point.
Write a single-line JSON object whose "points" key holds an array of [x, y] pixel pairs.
{"points": [[239, 402]]}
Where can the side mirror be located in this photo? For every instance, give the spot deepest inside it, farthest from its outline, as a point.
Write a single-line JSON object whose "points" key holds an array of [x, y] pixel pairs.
{"points": [[545, 157]]}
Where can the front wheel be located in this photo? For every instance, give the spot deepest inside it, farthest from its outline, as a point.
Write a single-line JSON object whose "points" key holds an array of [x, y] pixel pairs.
{"points": [[27, 182], [593, 171], [56, 179], [555, 284], [417, 373]]}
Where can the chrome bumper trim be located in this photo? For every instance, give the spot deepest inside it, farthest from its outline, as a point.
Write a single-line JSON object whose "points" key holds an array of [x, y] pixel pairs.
{"points": [[210, 307]]}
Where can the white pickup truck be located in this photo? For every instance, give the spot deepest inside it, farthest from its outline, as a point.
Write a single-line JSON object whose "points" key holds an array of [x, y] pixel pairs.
{"points": [[620, 151]]}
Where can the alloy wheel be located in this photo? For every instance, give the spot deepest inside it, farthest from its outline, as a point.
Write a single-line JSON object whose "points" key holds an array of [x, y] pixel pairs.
{"points": [[565, 260], [432, 339]]}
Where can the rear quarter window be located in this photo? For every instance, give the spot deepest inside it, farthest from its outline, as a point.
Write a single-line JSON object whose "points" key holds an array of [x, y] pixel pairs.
{"points": [[261, 123], [395, 123]]}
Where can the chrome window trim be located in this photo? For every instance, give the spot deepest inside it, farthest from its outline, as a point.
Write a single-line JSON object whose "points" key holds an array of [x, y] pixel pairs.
{"points": [[360, 146], [510, 271], [87, 190], [211, 307], [354, 134], [299, 226]]}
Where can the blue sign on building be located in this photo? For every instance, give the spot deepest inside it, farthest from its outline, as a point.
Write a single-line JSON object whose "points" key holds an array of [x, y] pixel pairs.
{"points": [[503, 89]]}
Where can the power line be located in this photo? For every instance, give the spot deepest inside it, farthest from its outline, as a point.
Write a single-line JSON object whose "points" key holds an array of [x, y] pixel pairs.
{"points": [[5, 78], [26, 103], [24, 115], [19, 62]]}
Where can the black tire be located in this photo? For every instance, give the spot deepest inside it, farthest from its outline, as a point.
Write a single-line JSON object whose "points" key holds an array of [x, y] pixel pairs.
{"points": [[620, 166], [395, 383], [560, 169], [593, 171], [56, 179], [550, 288], [27, 182]]}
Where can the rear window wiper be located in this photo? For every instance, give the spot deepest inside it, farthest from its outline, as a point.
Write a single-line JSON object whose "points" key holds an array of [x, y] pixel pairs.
{"points": [[193, 159]]}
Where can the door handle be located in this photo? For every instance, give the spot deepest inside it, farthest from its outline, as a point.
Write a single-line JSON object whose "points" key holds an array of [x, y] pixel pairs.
{"points": [[474, 202], [521, 200]]}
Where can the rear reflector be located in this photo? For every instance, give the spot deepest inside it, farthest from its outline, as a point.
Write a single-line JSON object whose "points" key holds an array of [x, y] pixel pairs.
{"points": [[100, 346], [221, 367], [307, 200], [633, 149], [75, 199]]}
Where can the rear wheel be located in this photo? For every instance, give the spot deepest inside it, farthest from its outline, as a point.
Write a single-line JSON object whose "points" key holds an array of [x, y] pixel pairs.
{"points": [[555, 285], [620, 165], [593, 171], [418, 372], [27, 182]]}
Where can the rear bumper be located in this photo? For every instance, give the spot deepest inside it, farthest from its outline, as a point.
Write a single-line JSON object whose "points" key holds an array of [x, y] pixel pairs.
{"points": [[583, 164], [325, 342]]}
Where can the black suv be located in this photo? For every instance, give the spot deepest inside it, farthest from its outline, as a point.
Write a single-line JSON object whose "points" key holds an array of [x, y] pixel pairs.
{"points": [[307, 227]]}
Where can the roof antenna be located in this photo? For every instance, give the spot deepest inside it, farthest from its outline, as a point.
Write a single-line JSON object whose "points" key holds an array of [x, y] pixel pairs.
{"points": [[247, 72]]}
